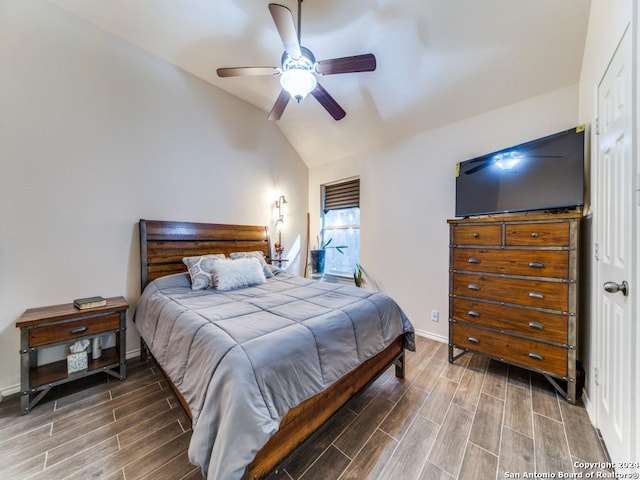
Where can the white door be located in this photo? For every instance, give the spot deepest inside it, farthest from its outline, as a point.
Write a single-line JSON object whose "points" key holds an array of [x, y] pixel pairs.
{"points": [[613, 215]]}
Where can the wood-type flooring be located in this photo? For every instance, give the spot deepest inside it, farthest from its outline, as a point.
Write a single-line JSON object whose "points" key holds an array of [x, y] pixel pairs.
{"points": [[475, 419]]}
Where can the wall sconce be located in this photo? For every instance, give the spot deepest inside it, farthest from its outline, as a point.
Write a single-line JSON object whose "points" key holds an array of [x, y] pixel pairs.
{"points": [[281, 205]]}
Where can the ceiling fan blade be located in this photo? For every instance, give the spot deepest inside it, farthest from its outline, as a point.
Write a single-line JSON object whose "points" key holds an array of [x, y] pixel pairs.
{"points": [[357, 63], [328, 102], [278, 107], [283, 18], [248, 71]]}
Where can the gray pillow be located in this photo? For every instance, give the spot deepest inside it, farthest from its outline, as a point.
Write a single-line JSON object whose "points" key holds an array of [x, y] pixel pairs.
{"points": [[201, 268]]}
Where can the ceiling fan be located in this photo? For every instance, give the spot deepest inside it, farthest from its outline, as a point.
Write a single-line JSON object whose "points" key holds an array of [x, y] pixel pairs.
{"points": [[299, 68]]}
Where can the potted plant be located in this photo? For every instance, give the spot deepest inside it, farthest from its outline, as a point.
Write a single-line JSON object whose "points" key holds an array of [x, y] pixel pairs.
{"points": [[317, 256], [357, 276]]}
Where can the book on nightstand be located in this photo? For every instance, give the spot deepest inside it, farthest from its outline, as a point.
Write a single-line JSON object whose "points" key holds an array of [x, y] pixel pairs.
{"points": [[89, 302]]}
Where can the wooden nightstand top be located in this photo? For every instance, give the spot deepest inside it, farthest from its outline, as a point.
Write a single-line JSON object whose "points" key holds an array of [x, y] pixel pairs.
{"points": [[65, 311]]}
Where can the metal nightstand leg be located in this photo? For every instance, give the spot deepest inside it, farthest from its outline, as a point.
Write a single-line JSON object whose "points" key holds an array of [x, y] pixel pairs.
{"points": [[122, 339], [25, 361]]}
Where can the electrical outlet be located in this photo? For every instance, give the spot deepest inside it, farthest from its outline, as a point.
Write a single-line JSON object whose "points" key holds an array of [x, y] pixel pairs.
{"points": [[435, 316]]}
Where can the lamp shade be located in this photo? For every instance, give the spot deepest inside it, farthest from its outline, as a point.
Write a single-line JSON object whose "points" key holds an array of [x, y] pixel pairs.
{"points": [[298, 82]]}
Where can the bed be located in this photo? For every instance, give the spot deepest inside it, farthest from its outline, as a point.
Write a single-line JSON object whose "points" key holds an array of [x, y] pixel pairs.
{"points": [[257, 369]]}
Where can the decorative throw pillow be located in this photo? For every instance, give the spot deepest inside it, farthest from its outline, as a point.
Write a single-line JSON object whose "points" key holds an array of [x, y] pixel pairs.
{"points": [[274, 270], [200, 269], [242, 272], [258, 255]]}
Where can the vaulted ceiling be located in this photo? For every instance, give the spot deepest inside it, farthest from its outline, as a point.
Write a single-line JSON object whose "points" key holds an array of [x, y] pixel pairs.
{"points": [[438, 61]]}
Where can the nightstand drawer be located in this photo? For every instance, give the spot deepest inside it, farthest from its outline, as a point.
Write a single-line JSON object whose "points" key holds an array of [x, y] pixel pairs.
{"points": [[533, 263], [532, 293], [552, 327], [68, 331], [528, 353], [477, 235], [537, 234]]}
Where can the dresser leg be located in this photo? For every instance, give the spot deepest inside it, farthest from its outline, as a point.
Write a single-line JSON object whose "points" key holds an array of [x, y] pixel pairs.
{"points": [[452, 356], [569, 394]]}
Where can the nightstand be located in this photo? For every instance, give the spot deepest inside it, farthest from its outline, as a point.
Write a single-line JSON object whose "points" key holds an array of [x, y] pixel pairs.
{"points": [[64, 324]]}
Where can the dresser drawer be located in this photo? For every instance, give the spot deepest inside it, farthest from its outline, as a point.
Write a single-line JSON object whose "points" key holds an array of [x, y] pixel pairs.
{"points": [[528, 353], [538, 325], [534, 293], [533, 263], [477, 235], [71, 330], [537, 234]]}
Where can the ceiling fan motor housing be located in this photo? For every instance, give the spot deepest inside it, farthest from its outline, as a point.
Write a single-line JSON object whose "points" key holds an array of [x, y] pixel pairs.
{"points": [[306, 62]]}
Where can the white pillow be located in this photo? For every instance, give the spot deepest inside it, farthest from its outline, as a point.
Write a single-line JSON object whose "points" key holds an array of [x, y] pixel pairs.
{"points": [[243, 272], [257, 254], [200, 269]]}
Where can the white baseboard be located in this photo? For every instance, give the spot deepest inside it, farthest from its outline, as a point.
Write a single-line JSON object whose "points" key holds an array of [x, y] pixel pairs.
{"points": [[13, 389], [133, 353], [588, 406], [10, 390], [432, 336]]}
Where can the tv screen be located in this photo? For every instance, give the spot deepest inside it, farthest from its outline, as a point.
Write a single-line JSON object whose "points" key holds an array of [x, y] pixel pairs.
{"points": [[543, 174]]}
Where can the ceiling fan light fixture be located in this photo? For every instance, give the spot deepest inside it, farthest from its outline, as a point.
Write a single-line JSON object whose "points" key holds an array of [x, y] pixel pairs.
{"points": [[298, 82]]}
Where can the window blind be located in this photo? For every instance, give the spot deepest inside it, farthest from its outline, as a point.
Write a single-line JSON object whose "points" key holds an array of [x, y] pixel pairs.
{"points": [[341, 195]]}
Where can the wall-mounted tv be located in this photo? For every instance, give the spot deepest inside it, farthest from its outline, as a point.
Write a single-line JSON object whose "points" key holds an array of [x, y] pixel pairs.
{"points": [[543, 174]]}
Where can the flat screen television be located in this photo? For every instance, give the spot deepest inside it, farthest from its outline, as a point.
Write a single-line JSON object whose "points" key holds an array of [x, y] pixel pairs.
{"points": [[543, 174]]}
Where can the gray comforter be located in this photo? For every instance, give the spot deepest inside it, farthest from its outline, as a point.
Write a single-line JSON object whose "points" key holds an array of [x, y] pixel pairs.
{"points": [[243, 358]]}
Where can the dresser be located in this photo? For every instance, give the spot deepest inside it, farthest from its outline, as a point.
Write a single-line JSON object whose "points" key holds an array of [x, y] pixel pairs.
{"points": [[513, 292]]}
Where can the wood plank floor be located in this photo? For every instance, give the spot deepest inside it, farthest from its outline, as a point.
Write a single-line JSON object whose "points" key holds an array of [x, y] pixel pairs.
{"points": [[470, 420]]}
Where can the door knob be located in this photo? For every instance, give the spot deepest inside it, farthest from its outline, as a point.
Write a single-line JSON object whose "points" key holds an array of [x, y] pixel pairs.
{"points": [[613, 287]]}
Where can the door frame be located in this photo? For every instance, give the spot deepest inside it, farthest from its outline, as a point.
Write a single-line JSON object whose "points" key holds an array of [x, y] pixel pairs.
{"points": [[635, 288], [597, 282]]}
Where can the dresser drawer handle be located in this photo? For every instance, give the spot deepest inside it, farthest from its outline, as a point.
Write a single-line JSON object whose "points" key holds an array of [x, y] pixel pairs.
{"points": [[476, 234], [536, 356], [536, 295], [474, 260], [473, 286], [537, 265], [534, 235], [77, 330], [536, 325], [473, 339], [473, 313]]}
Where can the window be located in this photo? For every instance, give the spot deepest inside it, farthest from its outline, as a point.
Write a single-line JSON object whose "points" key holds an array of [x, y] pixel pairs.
{"points": [[341, 225]]}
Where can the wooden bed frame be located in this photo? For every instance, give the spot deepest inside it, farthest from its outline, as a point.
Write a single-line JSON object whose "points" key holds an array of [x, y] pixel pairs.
{"points": [[162, 246]]}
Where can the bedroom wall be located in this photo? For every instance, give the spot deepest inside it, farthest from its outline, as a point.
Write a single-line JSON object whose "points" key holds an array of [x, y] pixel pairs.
{"points": [[96, 134], [408, 193]]}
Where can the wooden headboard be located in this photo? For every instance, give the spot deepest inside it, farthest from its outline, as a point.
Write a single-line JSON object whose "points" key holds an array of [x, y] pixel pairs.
{"points": [[163, 244]]}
